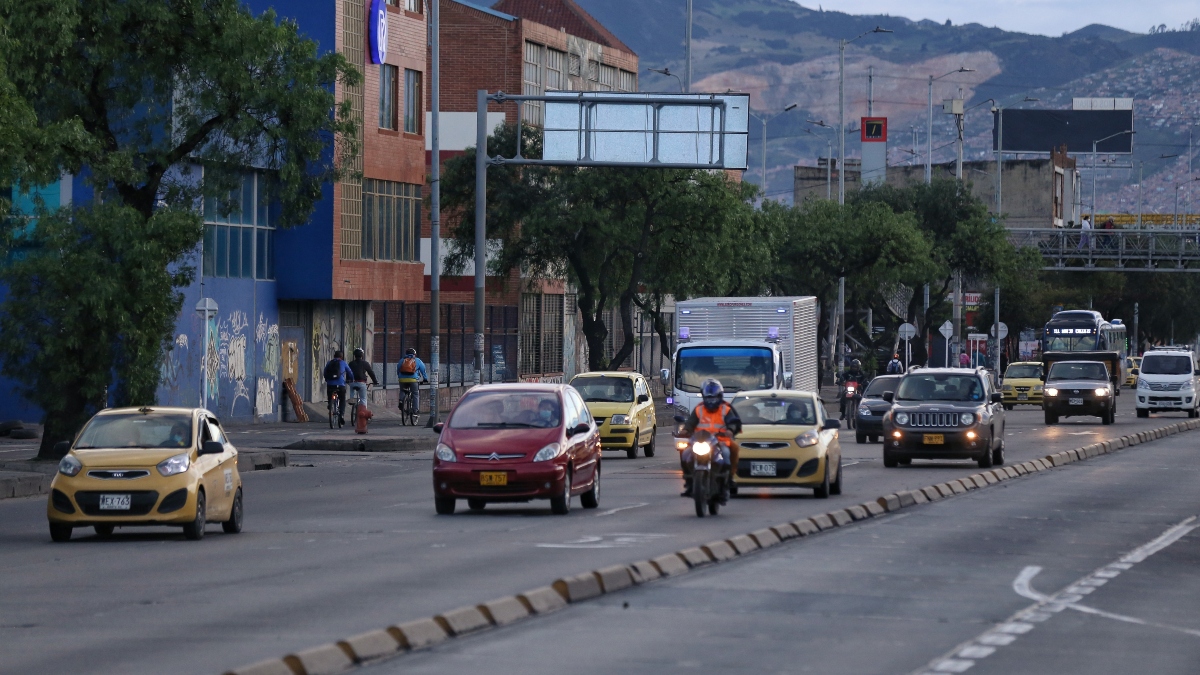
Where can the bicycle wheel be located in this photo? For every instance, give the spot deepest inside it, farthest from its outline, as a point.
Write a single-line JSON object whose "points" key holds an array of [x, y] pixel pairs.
{"points": [[332, 411], [410, 411]]}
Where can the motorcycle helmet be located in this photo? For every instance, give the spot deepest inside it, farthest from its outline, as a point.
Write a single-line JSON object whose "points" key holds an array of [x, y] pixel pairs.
{"points": [[713, 394], [410, 351], [359, 353], [855, 365]]}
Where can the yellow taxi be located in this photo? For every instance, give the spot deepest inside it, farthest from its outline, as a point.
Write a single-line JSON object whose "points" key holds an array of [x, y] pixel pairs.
{"points": [[621, 404], [1022, 384], [146, 466], [787, 441], [1133, 366]]}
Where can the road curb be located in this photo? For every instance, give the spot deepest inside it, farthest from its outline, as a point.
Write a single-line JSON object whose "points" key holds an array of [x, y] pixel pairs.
{"points": [[372, 646]]}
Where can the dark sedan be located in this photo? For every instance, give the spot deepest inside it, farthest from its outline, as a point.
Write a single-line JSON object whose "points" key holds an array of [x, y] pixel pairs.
{"points": [[945, 413], [868, 419], [1076, 388]]}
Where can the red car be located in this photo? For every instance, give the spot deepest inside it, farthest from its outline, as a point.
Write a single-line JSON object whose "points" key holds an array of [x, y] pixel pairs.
{"points": [[515, 443]]}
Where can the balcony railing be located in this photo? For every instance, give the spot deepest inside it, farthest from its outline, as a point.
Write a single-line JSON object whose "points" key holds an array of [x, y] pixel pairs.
{"points": [[1157, 250]]}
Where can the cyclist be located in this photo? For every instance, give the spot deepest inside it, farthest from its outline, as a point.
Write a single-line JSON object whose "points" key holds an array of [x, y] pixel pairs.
{"points": [[409, 372], [336, 372], [361, 369]]}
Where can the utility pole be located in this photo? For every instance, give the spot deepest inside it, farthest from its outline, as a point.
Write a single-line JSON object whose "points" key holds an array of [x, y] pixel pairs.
{"points": [[435, 216], [957, 312], [481, 155], [841, 326], [996, 363], [842, 112], [929, 138], [871, 93], [1137, 342], [687, 76]]}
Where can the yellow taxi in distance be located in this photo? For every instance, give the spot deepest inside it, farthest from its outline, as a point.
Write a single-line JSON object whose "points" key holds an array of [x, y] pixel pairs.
{"points": [[621, 404], [787, 441], [1133, 366], [1022, 384], [146, 466]]}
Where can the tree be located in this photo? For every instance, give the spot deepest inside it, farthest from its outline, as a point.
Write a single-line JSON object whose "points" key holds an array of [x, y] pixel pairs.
{"points": [[624, 238], [152, 90]]}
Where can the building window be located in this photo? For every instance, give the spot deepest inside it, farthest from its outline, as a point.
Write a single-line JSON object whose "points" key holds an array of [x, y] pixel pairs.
{"points": [[556, 79], [541, 333], [628, 81], [608, 78], [354, 31], [573, 67], [412, 5], [240, 243], [391, 220], [388, 85], [413, 103], [532, 79]]}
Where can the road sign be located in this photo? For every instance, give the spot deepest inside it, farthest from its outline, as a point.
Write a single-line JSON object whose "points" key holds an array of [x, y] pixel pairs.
{"points": [[1003, 330], [976, 337], [947, 330], [907, 331]]}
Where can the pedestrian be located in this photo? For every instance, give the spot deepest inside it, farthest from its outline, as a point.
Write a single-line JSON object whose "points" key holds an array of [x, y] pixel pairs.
{"points": [[1085, 236], [964, 360], [894, 367]]}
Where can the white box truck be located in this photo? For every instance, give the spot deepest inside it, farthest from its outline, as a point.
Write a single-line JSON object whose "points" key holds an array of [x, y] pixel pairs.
{"points": [[746, 343]]}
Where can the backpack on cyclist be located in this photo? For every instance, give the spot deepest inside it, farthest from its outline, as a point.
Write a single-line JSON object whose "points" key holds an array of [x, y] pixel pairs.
{"points": [[408, 366], [333, 370]]}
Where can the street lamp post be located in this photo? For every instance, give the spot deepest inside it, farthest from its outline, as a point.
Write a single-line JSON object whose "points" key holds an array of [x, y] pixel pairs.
{"points": [[842, 112], [764, 119], [929, 131], [1094, 144], [687, 88], [828, 157], [668, 73]]}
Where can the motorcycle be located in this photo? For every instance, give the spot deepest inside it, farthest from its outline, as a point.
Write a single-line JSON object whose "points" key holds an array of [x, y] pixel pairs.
{"points": [[708, 464], [851, 397]]}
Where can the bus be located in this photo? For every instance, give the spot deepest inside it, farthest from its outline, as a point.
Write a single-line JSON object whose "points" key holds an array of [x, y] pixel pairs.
{"points": [[1085, 330]]}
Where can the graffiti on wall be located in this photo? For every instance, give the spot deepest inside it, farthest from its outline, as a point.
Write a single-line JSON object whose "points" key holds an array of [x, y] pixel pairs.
{"points": [[264, 400], [171, 368], [267, 336], [212, 365]]}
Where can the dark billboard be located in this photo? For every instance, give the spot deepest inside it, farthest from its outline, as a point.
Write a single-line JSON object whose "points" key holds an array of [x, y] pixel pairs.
{"points": [[1041, 130]]}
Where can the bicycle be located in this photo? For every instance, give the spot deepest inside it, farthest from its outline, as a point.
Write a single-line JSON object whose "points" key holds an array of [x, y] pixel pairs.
{"points": [[353, 403], [408, 408], [335, 410]]}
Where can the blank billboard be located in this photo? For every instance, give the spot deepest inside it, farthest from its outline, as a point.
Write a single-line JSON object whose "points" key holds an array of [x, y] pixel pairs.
{"points": [[1042, 130]]}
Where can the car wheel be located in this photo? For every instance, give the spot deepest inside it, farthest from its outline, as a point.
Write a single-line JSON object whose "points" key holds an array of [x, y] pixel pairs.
{"points": [[860, 437], [195, 529], [60, 532], [631, 453], [1008, 406], [1051, 418], [1143, 413], [649, 449], [476, 504], [1191, 413], [1108, 417], [444, 505], [835, 488], [103, 531], [591, 498], [998, 454], [985, 462], [874, 439], [561, 505], [234, 524], [822, 490], [889, 460], [905, 461]]}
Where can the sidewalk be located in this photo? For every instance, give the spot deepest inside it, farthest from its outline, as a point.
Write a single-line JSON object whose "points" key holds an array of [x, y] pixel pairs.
{"points": [[384, 434]]}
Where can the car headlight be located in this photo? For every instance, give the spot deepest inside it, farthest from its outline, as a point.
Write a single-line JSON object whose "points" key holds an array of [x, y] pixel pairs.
{"points": [[967, 419], [902, 418], [1187, 386], [702, 449], [1008, 387], [1051, 391], [1101, 391], [445, 453], [69, 466], [548, 453], [619, 420], [864, 410], [1142, 384], [1037, 387], [174, 465], [807, 439]]}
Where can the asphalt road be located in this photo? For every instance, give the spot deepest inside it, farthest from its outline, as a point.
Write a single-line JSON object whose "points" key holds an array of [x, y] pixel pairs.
{"points": [[1089, 568], [351, 543]]}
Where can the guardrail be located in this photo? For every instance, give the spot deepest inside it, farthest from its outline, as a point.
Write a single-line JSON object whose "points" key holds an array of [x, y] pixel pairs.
{"points": [[1155, 250]]}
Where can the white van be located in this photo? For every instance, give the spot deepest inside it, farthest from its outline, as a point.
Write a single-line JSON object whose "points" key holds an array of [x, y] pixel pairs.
{"points": [[1167, 381]]}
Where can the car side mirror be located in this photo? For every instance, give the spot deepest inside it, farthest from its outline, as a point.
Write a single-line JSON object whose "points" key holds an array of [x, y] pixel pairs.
{"points": [[665, 375], [578, 429], [889, 396], [831, 424], [437, 428], [61, 448], [996, 397], [212, 448], [642, 398]]}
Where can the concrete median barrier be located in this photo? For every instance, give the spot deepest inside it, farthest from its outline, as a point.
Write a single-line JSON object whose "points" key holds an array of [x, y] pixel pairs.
{"points": [[579, 587], [765, 537], [694, 557], [420, 633], [324, 660], [823, 521], [719, 551], [614, 578], [889, 502], [265, 667], [374, 644], [543, 600], [840, 517], [857, 512], [785, 531], [503, 611], [742, 543], [670, 565], [645, 570], [462, 621]]}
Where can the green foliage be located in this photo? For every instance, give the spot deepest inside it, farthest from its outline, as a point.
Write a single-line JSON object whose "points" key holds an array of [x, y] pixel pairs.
{"points": [[91, 294], [624, 238]]}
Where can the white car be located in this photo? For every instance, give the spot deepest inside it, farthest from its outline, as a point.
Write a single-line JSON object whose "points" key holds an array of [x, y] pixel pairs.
{"points": [[1167, 382]]}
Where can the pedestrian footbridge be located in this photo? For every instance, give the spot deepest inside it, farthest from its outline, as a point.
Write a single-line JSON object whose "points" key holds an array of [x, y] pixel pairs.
{"points": [[1148, 250]]}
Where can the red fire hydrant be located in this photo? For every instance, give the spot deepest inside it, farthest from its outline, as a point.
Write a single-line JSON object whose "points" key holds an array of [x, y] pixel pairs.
{"points": [[362, 416]]}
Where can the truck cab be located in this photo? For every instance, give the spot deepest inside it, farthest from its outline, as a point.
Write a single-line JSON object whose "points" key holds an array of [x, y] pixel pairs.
{"points": [[739, 365], [1167, 382]]}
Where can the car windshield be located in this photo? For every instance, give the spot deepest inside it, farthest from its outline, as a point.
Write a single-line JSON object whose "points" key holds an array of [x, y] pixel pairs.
{"points": [[1164, 364], [880, 385], [773, 410], [604, 389], [1078, 370], [940, 387], [736, 368], [507, 410], [137, 430], [1082, 343], [1024, 372]]}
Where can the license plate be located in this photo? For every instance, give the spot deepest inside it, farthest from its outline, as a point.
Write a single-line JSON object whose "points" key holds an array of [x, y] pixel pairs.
{"points": [[1022, 397], [493, 478], [114, 502], [1075, 401], [762, 469], [933, 439]]}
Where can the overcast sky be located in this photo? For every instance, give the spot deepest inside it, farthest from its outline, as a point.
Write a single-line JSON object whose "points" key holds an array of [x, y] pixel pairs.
{"points": [[1045, 17]]}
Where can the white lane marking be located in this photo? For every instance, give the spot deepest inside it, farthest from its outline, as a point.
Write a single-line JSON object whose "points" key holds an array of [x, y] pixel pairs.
{"points": [[621, 540], [963, 656], [1082, 433], [622, 508]]}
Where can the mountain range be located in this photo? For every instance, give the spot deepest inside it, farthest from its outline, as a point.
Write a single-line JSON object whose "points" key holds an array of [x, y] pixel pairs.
{"points": [[781, 52]]}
